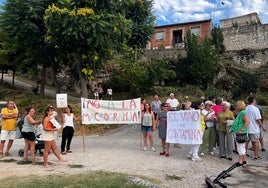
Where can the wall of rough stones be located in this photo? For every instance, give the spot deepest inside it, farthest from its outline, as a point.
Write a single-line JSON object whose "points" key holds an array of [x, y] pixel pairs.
{"points": [[253, 36]]}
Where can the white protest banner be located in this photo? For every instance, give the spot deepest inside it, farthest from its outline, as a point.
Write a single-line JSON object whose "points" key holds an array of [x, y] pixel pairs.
{"points": [[61, 100], [111, 112], [184, 127]]}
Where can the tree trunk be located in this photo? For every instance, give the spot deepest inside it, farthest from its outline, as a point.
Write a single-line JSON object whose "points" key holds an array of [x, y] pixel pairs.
{"points": [[54, 77], [43, 80], [82, 79]]}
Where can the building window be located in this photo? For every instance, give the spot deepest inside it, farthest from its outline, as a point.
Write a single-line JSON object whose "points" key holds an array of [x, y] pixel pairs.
{"points": [[196, 31], [160, 36]]}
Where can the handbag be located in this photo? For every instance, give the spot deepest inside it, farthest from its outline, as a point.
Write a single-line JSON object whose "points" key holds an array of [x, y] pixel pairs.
{"points": [[241, 138]]}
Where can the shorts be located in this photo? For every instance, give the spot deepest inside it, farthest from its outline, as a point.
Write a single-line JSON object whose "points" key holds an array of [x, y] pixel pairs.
{"points": [[28, 135], [241, 148], [146, 129], [254, 137], [6, 133]]}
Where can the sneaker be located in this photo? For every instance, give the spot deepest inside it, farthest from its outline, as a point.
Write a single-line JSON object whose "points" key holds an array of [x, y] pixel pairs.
{"points": [[263, 149], [196, 159], [189, 156], [153, 149], [244, 163], [145, 148], [211, 153], [202, 154], [214, 149]]}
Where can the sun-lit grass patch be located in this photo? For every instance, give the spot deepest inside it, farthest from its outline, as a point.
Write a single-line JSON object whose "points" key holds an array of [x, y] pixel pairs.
{"points": [[96, 179]]}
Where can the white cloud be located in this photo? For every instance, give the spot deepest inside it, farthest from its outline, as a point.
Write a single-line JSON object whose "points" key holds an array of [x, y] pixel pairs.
{"points": [[179, 11]]}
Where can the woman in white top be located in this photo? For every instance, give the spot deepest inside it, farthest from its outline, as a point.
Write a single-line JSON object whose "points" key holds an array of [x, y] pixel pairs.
{"points": [[68, 130], [148, 126]]}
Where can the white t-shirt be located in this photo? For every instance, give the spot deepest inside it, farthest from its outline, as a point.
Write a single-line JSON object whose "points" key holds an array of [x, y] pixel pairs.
{"points": [[253, 114], [209, 116], [174, 103]]}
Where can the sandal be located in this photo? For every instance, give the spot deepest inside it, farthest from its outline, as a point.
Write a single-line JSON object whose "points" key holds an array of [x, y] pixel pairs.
{"points": [[69, 151], [162, 153], [64, 153]]}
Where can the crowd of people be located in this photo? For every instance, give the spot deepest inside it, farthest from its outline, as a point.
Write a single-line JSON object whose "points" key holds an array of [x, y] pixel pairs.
{"points": [[49, 130], [222, 125]]}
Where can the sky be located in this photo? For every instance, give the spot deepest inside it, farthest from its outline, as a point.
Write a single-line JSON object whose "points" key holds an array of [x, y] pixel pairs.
{"points": [[180, 11]]}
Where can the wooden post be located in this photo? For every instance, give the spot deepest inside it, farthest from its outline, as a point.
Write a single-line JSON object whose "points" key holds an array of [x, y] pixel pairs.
{"points": [[83, 133]]}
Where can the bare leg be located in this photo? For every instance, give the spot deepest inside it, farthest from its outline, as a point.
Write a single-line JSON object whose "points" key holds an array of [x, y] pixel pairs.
{"points": [[46, 151], [32, 151], [56, 152], [10, 142], [145, 139], [261, 142], [256, 148], [167, 147], [163, 143], [150, 135], [26, 148]]}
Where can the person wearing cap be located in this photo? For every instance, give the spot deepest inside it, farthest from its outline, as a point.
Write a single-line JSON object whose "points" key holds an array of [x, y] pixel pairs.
{"points": [[209, 134], [225, 135], [174, 103], [49, 137]]}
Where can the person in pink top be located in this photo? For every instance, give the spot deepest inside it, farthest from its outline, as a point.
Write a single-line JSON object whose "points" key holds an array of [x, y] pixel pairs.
{"points": [[217, 108]]}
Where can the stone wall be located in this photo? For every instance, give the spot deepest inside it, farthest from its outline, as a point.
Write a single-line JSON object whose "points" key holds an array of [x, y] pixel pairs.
{"points": [[173, 54], [246, 37]]}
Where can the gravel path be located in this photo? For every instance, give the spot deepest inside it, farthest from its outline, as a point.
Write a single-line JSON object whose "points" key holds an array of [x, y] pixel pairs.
{"points": [[119, 151]]}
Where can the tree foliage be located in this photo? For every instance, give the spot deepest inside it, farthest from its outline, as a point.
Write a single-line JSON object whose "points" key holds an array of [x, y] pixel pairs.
{"points": [[201, 63], [22, 23]]}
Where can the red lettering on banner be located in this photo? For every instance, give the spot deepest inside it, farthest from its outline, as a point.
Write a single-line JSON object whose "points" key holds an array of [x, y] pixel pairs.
{"points": [[115, 117], [132, 104], [135, 117], [125, 116], [106, 117], [84, 116], [93, 103]]}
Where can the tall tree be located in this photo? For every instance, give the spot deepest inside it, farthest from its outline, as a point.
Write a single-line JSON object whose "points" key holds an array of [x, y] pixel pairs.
{"points": [[22, 22], [88, 35], [201, 63]]}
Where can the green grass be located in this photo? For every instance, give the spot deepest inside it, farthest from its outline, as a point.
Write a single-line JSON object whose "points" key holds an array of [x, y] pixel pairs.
{"points": [[98, 179]]}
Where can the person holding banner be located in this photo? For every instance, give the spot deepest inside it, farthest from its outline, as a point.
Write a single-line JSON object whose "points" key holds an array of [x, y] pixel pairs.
{"points": [[68, 129], [148, 125], [209, 134], [162, 129], [49, 138], [193, 153]]}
